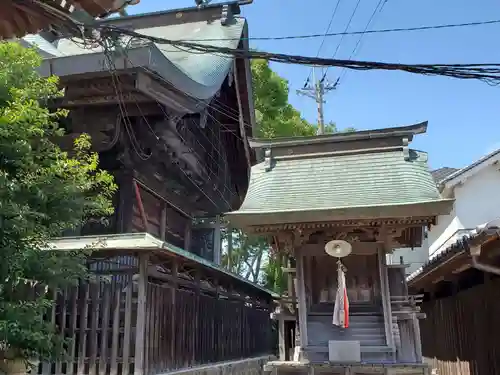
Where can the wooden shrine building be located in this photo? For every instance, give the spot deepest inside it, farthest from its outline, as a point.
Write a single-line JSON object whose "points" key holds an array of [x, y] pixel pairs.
{"points": [[367, 188], [172, 127]]}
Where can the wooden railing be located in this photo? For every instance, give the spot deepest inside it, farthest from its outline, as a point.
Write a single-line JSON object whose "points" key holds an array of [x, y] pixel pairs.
{"points": [[122, 324]]}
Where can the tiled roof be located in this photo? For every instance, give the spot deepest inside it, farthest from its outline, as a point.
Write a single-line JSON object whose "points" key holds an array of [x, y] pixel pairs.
{"points": [[471, 236], [379, 178], [199, 75], [490, 157], [440, 174], [370, 180], [18, 18]]}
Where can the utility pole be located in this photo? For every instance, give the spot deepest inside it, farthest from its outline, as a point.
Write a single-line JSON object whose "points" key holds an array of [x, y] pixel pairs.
{"points": [[317, 92]]}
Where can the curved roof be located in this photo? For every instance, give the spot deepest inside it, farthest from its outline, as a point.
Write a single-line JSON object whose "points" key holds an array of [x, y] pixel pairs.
{"points": [[367, 182], [195, 74], [18, 18]]}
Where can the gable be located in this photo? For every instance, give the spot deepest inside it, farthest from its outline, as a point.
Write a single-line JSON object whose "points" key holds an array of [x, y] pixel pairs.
{"points": [[460, 177]]}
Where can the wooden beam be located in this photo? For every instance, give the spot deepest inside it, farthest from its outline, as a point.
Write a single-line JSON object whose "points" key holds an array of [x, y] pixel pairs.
{"points": [[163, 221], [187, 236], [138, 200], [241, 119], [281, 338], [229, 247], [418, 343], [217, 241], [358, 248], [140, 335], [125, 202], [386, 302], [301, 296]]}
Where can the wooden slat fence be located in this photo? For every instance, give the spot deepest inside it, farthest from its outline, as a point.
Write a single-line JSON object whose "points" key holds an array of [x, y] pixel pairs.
{"points": [[183, 328], [460, 333], [98, 319], [186, 329]]}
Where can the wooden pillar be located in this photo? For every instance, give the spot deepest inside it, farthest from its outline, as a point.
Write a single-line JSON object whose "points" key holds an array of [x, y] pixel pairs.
{"points": [[187, 236], [418, 342], [140, 332], [125, 202], [386, 297], [163, 221], [229, 247], [217, 241], [138, 200], [301, 299], [281, 336], [175, 278]]}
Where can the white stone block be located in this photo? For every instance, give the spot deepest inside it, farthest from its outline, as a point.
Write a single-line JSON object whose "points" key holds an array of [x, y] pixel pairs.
{"points": [[344, 351]]}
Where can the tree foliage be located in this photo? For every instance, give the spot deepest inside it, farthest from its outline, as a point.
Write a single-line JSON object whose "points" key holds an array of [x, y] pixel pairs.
{"points": [[43, 191], [276, 117]]}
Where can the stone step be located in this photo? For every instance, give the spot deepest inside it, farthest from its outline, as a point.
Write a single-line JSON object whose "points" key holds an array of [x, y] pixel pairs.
{"points": [[363, 348], [352, 317], [363, 341]]}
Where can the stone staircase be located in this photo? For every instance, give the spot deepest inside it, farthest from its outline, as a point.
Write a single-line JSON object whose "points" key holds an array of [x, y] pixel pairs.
{"points": [[366, 325]]}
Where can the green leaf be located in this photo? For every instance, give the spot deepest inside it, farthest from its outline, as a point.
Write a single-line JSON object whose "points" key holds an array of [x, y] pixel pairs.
{"points": [[43, 191]]}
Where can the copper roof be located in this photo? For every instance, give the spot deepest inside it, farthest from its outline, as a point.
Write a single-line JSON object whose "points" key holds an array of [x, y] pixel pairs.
{"points": [[18, 18]]}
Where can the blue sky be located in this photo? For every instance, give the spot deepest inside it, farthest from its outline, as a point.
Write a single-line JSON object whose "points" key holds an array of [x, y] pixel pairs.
{"points": [[464, 116]]}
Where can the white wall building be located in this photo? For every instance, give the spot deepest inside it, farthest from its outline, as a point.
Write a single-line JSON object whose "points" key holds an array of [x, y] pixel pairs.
{"points": [[476, 189]]}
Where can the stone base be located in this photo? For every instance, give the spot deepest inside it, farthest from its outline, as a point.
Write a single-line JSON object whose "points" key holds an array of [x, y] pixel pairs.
{"points": [[250, 366], [16, 366], [298, 368]]}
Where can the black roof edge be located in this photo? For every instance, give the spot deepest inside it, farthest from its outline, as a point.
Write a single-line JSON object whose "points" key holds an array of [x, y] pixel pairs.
{"points": [[401, 131], [173, 16], [462, 244]]}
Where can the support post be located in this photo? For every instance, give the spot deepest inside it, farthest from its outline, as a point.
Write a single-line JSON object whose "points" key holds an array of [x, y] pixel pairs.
{"points": [[140, 332], [229, 247], [175, 277], [301, 298], [217, 241], [187, 236], [418, 342], [281, 336], [163, 221], [386, 298], [125, 201], [141, 206]]}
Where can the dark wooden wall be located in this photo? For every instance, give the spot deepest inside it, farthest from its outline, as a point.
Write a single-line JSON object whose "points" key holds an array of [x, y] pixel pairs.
{"points": [[189, 320], [460, 333]]}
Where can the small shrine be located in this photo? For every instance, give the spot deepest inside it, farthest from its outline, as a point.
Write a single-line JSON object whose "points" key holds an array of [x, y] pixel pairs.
{"points": [[333, 206]]}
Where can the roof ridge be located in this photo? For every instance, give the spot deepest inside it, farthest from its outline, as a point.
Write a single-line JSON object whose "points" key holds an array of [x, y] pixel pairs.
{"points": [[401, 131], [470, 166]]}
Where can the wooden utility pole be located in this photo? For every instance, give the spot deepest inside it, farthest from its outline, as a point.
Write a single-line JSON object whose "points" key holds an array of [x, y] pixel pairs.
{"points": [[317, 92]]}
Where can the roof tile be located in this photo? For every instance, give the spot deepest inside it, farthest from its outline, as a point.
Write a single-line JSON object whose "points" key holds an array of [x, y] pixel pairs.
{"points": [[337, 181]]}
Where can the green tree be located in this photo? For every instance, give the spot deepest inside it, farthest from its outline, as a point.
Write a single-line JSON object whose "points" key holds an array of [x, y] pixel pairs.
{"points": [[43, 191], [276, 117]]}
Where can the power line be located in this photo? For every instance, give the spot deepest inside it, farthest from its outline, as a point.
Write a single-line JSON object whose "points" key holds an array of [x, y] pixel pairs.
{"points": [[355, 50], [489, 72], [342, 38], [377, 31], [324, 38]]}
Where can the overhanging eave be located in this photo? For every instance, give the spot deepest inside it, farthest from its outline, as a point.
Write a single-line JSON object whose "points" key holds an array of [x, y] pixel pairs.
{"points": [[247, 219]]}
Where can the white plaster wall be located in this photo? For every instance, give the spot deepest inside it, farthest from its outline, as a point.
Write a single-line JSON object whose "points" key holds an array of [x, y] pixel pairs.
{"points": [[413, 258], [477, 201]]}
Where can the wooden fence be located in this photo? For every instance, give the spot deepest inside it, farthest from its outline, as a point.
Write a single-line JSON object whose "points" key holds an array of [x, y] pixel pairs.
{"points": [[460, 334], [183, 326]]}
